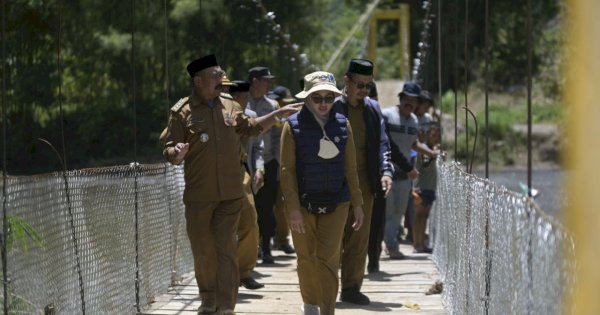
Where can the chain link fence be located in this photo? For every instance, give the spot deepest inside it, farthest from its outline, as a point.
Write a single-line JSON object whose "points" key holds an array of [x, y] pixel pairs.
{"points": [[112, 227], [496, 251]]}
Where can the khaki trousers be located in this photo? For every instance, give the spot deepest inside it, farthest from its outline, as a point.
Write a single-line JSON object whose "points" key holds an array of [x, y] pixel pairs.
{"points": [[247, 232], [318, 252], [211, 228], [282, 230], [356, 243]]}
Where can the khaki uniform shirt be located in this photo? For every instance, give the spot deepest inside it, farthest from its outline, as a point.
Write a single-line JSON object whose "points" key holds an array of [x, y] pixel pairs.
{"points": [[359, 130], [212, 164], [289, 180]]}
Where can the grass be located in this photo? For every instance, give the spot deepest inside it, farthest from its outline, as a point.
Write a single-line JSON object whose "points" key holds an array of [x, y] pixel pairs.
{"points": [[505, 110]]}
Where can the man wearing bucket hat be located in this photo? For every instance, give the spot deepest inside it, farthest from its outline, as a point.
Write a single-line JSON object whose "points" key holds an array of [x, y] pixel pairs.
{"points": [[204, 130], [402, 126], [319, 184], [374, 170]]}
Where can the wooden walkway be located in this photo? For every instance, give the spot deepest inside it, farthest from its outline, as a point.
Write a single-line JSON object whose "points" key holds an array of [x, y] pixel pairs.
{"points": [[398, 289]]}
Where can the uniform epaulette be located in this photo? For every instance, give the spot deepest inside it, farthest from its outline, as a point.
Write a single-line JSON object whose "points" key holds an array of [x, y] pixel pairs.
{"points": [[226, 95], [179, 105]]}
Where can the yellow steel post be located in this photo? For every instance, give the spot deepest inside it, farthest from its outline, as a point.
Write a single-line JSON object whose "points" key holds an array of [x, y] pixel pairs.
{"points": [[402, 15], [583, 155]]}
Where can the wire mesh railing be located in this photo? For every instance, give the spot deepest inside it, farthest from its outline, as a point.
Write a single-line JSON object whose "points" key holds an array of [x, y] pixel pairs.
{"points": [[497, 253], [103, 229]]}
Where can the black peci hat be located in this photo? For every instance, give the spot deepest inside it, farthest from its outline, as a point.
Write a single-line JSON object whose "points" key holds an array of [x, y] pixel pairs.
{"points": [[360, 66], [239, 86], [201, 64]]}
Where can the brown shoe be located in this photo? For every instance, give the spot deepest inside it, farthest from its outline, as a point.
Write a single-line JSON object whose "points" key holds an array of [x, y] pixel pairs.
{"points": [[207, 309], [225, 312]]}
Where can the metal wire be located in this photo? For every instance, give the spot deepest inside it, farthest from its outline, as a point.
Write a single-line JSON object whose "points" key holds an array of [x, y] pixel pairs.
{"points": [[466, 80], [497, 252], [487, 87], [135, 164], [4, 166], [71, 224], [529, 85]]}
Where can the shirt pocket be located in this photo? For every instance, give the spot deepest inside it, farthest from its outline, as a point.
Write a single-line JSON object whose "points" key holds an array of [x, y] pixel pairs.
{"points": [[198, 129]]}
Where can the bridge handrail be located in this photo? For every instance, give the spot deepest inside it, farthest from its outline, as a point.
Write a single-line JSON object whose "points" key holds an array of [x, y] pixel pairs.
{"points": [[102, 202], [496, 250]]}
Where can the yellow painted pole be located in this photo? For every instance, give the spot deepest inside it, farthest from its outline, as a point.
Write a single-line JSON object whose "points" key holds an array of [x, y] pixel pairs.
{"points": [[583, 154]]}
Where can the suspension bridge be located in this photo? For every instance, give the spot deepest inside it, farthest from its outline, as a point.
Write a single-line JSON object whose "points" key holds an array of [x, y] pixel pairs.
{"points": [[112, 240]]}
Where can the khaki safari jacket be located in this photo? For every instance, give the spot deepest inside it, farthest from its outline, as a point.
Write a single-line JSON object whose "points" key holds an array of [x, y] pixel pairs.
{"points": [[212, 169]]}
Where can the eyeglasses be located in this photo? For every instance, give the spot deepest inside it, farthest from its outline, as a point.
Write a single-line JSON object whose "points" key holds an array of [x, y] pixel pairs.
{"points": [[318, 99], [360, 85], [217, 74]]}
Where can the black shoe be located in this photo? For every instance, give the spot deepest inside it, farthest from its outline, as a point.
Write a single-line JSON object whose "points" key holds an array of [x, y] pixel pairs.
{"points": [[353, 295], [425, 250], [373, 267], [286, 248], [251, 284], [267, 258]]}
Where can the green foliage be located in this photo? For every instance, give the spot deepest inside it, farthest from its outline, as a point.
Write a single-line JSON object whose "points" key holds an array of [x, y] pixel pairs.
{"points": [[98, 62], [19, 231]]}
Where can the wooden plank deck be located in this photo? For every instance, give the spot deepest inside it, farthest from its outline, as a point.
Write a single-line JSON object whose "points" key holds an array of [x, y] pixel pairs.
{"points": [[398, 289]]}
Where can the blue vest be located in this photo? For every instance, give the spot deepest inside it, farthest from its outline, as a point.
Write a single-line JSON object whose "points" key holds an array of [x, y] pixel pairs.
{"points": [[320, 178]]}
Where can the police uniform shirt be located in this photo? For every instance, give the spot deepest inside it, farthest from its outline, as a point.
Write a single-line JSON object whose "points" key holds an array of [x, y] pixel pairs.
{"points": [[403, 130], [254, 148], [212, 164], [271, 137]]}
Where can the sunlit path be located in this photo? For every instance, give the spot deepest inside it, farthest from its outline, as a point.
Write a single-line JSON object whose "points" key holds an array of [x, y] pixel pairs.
{"points": [[398, 289]]}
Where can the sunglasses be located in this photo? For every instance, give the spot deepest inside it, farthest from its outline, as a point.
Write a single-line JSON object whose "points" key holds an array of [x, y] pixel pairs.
{"points": [[360, 85], [318, 99]]}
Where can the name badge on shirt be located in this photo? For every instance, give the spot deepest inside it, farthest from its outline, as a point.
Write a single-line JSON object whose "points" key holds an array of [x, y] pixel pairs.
{"points": [[204, 137]]}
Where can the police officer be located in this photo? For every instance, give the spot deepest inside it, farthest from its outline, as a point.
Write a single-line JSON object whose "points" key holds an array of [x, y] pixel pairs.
{"points": [[318, 180], [260, 79], [204, 131], [374, 170], [248, 227], [282, 96]]}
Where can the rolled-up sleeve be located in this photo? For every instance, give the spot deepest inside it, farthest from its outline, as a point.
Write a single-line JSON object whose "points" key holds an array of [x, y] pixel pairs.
{"points": [[350, 170], [289, 180], [175, 133]]}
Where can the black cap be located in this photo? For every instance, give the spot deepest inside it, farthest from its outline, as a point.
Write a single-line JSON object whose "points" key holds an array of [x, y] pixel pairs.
{"points": [[259, 72], [410, 89], [373, 91], [201, 64], [360, 66], [281, 93], [239, 86], [425, 96]]}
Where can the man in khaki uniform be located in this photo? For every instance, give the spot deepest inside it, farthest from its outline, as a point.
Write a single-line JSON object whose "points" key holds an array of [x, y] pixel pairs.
{"points": [[373, 166], [247, 232], [282, 96], [204, 131]]}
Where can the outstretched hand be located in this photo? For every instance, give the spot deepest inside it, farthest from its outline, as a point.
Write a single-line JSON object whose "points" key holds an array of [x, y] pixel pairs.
{"points": [[288, 110]]}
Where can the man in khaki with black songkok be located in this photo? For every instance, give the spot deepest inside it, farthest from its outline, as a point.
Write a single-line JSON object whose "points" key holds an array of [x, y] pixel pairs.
{"points": [[204, 131]]}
